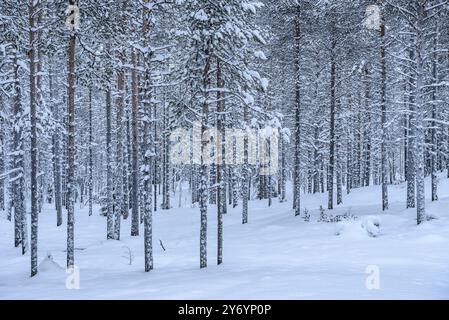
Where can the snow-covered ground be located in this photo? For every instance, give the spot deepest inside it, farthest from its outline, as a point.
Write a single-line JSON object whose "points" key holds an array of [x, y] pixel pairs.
{"points": [[275, 256]]}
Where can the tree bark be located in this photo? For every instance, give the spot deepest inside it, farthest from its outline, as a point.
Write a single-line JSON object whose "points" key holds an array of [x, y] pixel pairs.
{"points": [[71, 149], [384, 165], [135, 147], [109, 177], [34, 150], [330, 179], [203, 165], [297, 160]]}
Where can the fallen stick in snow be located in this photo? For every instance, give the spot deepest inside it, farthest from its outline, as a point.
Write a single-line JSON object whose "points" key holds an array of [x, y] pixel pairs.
{"points": [[162, 245]]}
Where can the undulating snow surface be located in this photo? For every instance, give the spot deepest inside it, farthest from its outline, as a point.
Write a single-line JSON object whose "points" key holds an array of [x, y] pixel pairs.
{"points": [[275, 256]]}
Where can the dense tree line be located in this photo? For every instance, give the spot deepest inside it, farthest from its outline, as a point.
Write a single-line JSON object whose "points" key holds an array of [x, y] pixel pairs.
{"points": [[91, 94]]}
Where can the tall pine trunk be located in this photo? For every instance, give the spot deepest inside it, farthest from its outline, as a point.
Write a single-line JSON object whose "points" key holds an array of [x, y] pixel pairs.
{"points": [[297, 163], [330, 179], [17, 180], [434, 149], [71, 150], [420, 113], [204, 183], [34, 150], [118, 197], [135, 147], [411, 170], [149, 152], [384, 166], [55, 147], [220, 154], [109, 177], [367, 131], [91, 157]]}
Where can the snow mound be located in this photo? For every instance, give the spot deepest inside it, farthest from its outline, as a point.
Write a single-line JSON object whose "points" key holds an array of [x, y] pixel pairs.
{"points": [[372, 226], [369, 226], [49, 265]]}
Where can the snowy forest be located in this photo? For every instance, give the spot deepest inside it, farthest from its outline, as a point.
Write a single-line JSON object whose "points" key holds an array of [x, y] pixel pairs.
{"points": [[224, 148]]}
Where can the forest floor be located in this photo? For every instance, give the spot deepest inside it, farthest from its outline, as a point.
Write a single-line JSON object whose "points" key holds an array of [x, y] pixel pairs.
{"points": [[274, 256]]}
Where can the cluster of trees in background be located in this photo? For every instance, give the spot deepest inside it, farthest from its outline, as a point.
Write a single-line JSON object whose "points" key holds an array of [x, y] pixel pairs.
{"points": [[86, 111]]}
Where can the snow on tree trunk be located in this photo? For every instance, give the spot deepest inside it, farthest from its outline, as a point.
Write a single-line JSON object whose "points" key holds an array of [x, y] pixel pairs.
{"points": [[367, 131], [149, 147], [297, 163], [71, 150], [220, 156], [384, 166], [34, 148], [109, 173], [204, 183], [135, 147], [118, 181], [91, 156], [420, 114], [411, 170], [434, 149], [55, 146], [330, 179]]}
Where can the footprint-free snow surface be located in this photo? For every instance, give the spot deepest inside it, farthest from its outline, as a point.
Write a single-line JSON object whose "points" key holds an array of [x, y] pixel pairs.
{"points": [[275, 256]]}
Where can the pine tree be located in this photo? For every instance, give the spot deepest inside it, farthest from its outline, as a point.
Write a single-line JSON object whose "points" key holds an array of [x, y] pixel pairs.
{"points": [[71, 137], [34, 147]]}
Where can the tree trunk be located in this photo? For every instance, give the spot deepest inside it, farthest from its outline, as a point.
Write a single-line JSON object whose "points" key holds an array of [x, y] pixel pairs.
{"points": [[384, 166], [297, 160], [330, 179], [55, 148], [420, 113], [34, 150], [283, 172], [135, 147], [109, 178], [17, 180], [203, 165], [220, 152], [91, 157], [434, 149], [71, 150], [367, 132], [149, 154], [118, 185], [166, 160]]}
